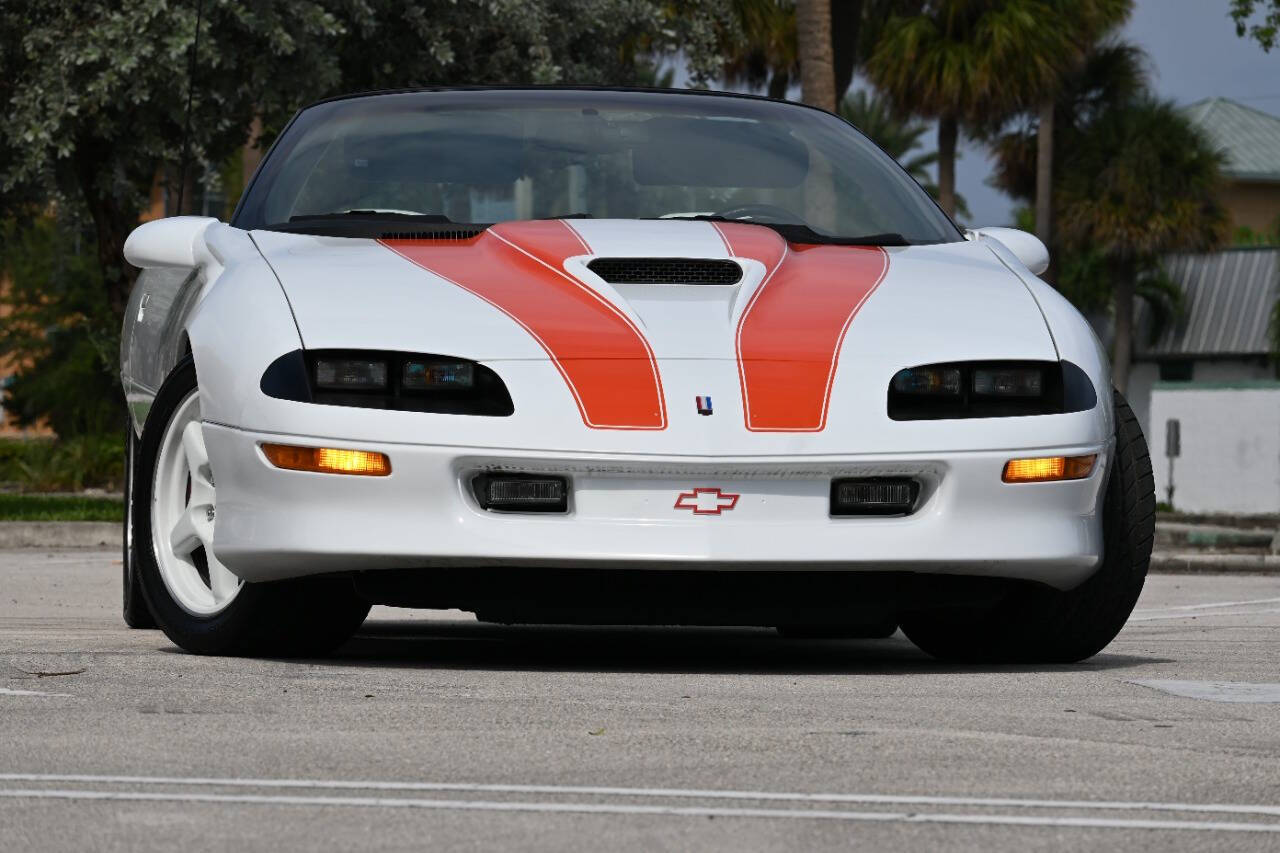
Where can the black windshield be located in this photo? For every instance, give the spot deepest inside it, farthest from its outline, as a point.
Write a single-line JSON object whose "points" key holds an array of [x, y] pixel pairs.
{"points": [[484, 156]]}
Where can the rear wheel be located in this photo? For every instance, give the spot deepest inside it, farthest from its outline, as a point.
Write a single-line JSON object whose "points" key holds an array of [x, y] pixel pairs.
{"points": [[1044, 625], [201, 605]]}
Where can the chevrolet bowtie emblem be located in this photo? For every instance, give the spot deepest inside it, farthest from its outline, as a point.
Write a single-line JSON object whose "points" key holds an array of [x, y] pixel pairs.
{"points": [[704, 501]]}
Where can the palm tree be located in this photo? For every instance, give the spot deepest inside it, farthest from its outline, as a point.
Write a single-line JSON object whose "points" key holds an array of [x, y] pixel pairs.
{"points": [[969, 62], [1139, 181], [813, 47], [899, 137], [1085, 21], [765, 56], [762, 51]]}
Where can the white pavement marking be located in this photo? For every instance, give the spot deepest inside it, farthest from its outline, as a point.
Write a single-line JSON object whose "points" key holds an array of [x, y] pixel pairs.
{"points": [[1207, 606], [627, 809], [5, 691], [1214, 691], [684, 793], [1203, 615]]}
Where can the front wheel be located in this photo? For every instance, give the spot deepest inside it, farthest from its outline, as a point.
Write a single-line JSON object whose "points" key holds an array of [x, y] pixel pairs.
{"points": [[1044, 625], [201, 605]]}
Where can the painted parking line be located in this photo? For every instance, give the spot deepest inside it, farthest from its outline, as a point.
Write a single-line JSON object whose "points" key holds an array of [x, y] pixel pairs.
{"points": [[6, 691], [633, 809], [616, 791], [1214, 691], [1202, 614], [1209, 606]]}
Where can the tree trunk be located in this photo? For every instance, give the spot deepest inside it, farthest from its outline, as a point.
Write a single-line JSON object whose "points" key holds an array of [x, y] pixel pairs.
{"points": [[1044, 172], [112, 223], [1122, 345], [813, 43], [948, 131], [846, 28]]}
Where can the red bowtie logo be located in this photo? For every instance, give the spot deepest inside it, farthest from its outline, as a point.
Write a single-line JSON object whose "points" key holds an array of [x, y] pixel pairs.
{"points": [[704, 501]]}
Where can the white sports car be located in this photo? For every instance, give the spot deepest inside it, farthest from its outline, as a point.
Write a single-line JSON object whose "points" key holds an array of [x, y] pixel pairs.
{"points": [[616, 356]]}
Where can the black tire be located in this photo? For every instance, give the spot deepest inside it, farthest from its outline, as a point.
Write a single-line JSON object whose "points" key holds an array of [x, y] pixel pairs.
{"points": [[1044, 625], [137, 614], [297, 618], [870, 631]]}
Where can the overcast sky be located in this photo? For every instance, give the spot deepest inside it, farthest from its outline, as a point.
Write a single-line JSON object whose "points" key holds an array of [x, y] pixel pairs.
{"points": [[1194, 53]]}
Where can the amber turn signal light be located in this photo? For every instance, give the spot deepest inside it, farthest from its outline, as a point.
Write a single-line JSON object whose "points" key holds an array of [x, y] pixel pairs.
{"points": [[328, 460], [1048, 469]]}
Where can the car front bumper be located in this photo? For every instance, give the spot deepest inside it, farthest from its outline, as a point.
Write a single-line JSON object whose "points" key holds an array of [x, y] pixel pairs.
{"points": [[274, 524]]}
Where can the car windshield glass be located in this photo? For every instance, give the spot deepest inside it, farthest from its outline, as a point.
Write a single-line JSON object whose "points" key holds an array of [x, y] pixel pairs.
{"points": [[496, 155]]}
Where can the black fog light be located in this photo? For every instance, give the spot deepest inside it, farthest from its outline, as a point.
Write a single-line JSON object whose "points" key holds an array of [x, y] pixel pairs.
{"points": [[521, 493], [874, 496]]}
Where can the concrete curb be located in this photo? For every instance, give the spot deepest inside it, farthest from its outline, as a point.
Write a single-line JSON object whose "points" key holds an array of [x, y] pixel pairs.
{"points": [[59, 534], [1193, 563]]}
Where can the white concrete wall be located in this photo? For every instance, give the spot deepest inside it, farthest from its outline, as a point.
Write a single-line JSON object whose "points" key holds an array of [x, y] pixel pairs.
{"points": [[1230, 458], [1145, 374]]}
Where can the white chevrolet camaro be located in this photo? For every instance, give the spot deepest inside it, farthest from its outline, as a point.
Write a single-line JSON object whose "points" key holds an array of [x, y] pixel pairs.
{"points": [[616, 357]]}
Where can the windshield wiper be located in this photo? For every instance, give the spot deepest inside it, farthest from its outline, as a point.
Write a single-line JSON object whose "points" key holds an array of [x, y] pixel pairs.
{"points": [[370, 213], [794, 232]]}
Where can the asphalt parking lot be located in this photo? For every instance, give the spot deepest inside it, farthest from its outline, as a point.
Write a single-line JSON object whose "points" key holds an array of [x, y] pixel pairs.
{"points": [[431, 730]]}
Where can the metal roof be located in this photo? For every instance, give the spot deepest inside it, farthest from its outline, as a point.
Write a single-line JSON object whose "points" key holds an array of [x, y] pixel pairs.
{"points": [[1228, 299], [1248, 139]]}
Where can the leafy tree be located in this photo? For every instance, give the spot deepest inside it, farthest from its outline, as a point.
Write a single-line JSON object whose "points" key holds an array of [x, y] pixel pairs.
{"points": [[95, 94], [899, 137], [1266, 33], [970, 63], [1084, 21], [1139, 181], [59, 324], [96, 90], [761, 50]]}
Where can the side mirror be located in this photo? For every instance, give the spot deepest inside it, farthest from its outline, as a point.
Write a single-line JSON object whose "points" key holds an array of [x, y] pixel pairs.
{"points": [[167, 242], [1025, 247]]}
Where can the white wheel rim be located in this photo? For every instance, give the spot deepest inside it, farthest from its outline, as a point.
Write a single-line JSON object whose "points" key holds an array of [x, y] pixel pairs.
{"points": [[183, 503]]}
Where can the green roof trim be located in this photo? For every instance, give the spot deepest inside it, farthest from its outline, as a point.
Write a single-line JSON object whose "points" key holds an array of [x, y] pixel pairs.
{"points": [[1240, 385], [1249, 139]]}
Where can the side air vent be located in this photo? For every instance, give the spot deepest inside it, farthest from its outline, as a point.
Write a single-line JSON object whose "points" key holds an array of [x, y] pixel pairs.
{"points": [[666, 271], [464, 233]]}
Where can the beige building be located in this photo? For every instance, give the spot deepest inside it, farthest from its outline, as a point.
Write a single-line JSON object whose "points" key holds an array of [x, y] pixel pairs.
{"points": [[1249, 141]]}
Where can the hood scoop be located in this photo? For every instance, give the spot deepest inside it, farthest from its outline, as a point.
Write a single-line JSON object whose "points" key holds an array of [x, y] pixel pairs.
{"points": [[666, 270], [450, 232]]}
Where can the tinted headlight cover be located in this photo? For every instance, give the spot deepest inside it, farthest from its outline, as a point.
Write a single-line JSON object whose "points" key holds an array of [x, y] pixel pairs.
{"points": [[990, 389], [412, 382]]}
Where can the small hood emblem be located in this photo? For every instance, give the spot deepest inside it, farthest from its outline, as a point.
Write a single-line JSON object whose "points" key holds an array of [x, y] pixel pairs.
{"points": [[703, 404]]}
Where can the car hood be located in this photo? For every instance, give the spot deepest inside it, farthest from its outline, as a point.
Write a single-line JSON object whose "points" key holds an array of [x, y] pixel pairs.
{"points": [[907, 305]]}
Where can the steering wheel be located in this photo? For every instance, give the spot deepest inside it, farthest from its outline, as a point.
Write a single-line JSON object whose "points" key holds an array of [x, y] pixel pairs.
{"points": [[766, 212]]}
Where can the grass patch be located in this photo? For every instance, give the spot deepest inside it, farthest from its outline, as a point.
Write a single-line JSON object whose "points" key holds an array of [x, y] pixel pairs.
{"points": [[60, 508]]}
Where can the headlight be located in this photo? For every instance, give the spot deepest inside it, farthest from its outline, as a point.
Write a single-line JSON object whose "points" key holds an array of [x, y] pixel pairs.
{"points": [[927, 380], [989, 389], [351, 374], [376, 379], [436, 375], [1008, 382]]}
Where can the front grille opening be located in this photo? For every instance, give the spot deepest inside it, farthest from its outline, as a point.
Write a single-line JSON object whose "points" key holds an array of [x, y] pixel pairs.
{"points": [[666, 270], [500, 492], [874, 496]]}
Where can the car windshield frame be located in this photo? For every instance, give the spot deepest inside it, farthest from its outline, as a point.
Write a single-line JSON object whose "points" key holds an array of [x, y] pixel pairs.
{"points": [[781, 150]]}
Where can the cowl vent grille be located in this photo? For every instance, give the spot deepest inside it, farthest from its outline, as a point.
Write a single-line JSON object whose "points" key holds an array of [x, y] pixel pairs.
{"points": [[666, 271], [464, 233]]}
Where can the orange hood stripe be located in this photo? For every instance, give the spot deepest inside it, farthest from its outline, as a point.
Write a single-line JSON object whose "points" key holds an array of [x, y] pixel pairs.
{"points": [[790, 334], [518, 267]]}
